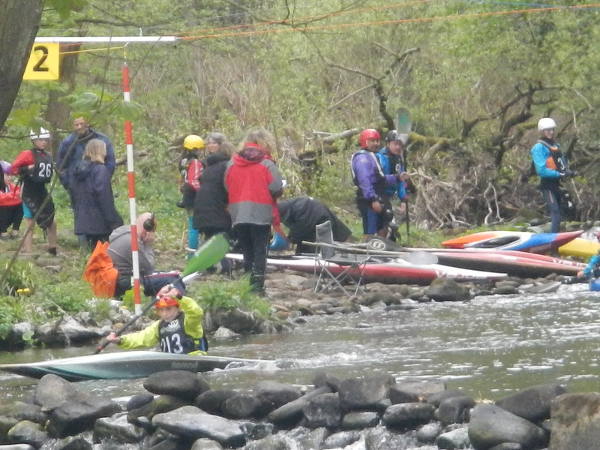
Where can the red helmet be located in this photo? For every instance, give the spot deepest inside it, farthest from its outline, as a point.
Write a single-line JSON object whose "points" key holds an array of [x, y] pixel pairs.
{"points": [[165, 302], [369, 133]]}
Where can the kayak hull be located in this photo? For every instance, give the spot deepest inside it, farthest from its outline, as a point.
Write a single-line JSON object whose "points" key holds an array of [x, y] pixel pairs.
{"points": [[513, 240], [393, 270], [580, 247], [122, 365]]}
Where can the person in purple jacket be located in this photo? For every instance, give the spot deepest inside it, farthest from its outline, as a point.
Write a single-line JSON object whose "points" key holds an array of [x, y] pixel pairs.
{"points": [[371, 198]]}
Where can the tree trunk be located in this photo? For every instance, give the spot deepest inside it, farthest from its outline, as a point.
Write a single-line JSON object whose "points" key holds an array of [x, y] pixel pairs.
{"points": [[19, 23]]}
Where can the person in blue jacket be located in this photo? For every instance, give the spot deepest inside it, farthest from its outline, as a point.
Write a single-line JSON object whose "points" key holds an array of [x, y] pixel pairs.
{"points": [[371, 183], [592, 270], [392, 161], [551, 166]]}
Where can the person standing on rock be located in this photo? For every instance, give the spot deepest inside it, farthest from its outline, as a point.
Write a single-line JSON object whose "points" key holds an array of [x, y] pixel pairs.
{"points": [[551, 166], [253, 184], [371, 183], [36, 168], [179, 329]]}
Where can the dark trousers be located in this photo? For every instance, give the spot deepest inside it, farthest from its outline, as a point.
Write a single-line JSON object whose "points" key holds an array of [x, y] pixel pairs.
{"points": [[10, 216], [551, 196], [253, 240], [209, 232], [93, 239]]}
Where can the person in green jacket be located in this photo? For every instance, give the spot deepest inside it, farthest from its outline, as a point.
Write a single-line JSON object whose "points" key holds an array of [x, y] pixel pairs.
{"points": [[179, 329]]}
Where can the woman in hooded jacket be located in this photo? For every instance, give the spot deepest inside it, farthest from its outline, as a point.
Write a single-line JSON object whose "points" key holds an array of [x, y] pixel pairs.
{"points": [[94, 205]]}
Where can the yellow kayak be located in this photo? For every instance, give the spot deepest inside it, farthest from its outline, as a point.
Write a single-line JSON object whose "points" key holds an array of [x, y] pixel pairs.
{"points": [[580, 247]]}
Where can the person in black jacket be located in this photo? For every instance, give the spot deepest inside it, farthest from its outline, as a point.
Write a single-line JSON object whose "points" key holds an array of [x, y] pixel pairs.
{"points": [[302, 214], [210, 204], [93, 202]]}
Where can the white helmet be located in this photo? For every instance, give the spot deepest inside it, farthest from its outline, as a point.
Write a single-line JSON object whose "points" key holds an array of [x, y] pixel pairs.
{"points": [[546, 123], [43, 134]]}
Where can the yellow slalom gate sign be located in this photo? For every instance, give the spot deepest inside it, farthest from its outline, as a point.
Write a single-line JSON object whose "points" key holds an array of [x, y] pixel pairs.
{"points": [[44, 62]]}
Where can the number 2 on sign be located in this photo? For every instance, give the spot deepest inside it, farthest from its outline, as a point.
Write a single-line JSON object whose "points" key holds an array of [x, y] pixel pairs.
{"points": [[43, 62]]}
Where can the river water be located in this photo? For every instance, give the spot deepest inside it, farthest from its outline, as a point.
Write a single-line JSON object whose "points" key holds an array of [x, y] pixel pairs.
{"points": [[489, 347]]}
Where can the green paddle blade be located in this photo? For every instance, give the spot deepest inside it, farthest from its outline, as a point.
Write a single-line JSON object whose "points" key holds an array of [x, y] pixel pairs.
{"points": [[403, 121], [209, 253]]}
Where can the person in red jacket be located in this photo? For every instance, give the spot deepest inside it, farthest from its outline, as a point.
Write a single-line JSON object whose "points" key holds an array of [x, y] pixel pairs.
{"points": [[253, 182], [11, 210], [36, 169]]}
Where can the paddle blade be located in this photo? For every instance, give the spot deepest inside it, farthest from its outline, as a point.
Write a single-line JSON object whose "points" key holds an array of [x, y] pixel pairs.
{"points": [[209, 253], [403, 121]]}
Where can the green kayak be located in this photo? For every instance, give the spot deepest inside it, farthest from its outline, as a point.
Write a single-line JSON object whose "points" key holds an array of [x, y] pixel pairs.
{"points": [[135, 364]]}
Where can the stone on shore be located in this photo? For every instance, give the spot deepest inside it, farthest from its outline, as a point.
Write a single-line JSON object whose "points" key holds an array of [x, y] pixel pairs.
{"points": [[243, 405], [118, 428], [360, 420], [408, 415], [274, 395], [206, 444], [341, 439], [193, 423], [27, 432], [212, 401], [436, 398], [159, 405], [491, 425], [291, 412], [25, 411], [458, 438], [455, 410], [363, 393], [274, 442], [415, 391], [429, 432], [178, 383], [447, 290], [576, 422], [534, 403], [323, 411], [69, 443], [73, 417], [52, 391]]}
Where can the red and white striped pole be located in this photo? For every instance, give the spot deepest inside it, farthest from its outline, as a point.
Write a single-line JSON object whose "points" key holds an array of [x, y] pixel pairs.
{"points": [[137, 299]]}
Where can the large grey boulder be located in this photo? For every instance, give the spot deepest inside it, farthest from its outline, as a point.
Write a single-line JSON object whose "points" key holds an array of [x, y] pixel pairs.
{"points": [[455, 410], [52, 391], [27, 432], [243, 405], [178, 383], [193, 423], [6, 423], [415, 391], [534, 403], [117, 428], [491, 425], [358, 420], [212, 401], [447, 290], [72, 418], [429, 432], [576, 422], [408, 415], [291, 412], [323, 411], [273, 394], [436, 398], [364, 393], [458, 438]]}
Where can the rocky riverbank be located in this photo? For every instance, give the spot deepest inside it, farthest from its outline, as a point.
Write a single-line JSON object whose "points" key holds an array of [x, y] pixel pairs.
{"points": [[291, 298], [179, 410]]}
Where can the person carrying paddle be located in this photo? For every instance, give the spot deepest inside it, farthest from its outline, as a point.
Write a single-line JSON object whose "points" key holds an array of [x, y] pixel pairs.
{"points": [[178, 330], [551, 166], [371, 183]]}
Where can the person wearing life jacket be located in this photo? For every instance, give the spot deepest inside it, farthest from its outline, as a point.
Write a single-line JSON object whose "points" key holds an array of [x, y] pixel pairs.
{"points": [[551, 166], [371, 182], [35, 166], [178, 330], [191, 168], [592, 270], [11, 209]]}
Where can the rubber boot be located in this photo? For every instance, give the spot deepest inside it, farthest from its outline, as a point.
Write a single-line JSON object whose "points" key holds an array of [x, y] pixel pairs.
{"points": [[193, 237]]}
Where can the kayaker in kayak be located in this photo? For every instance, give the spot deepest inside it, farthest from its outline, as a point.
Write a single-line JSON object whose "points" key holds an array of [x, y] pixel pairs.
{"points": [[592, 270], [551, 166], [371, 183], [179, 329]]}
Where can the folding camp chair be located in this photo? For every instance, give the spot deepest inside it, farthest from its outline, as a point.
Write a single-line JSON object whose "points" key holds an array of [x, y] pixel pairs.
{"points": [[333, 266]]}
